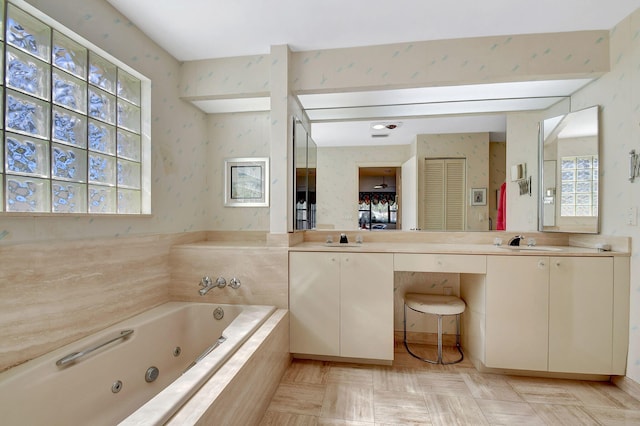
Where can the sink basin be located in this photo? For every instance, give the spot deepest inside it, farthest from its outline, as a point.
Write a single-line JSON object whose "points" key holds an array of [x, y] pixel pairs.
{"points": [[343, 245], [531, 248]]}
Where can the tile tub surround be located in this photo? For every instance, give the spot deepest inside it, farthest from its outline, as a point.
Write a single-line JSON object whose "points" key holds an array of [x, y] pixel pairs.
{"points": [[53, 293], [261, 268]]}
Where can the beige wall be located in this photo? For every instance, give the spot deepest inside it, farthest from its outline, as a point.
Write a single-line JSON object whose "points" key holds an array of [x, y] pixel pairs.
{"points": [[235, 135], [618, 94]]}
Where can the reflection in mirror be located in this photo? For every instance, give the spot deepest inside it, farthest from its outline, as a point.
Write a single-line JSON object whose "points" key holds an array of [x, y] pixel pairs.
{"points": [[569, 173], [377, 198], [312, 161], [305, 154], [452, 169]]}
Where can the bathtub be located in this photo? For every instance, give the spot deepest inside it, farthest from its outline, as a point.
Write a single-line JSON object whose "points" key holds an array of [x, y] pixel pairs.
{"points": [[152, 364]]}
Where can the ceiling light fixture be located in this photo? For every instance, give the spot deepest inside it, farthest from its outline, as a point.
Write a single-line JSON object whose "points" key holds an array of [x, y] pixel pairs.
{"points": [[381, 185], [387, 126]]}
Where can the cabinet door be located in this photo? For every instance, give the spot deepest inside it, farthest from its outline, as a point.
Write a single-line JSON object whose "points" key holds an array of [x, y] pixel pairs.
{"points": [[517, 300], [366, 308], [314, 303], [581, 315]]}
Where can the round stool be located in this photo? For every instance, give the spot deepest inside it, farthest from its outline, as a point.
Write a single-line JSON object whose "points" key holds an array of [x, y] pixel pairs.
{"points": [[435, 305]]}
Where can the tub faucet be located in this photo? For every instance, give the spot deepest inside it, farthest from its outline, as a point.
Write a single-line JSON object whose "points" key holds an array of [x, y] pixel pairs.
{"points": [[515, 241], [207, 284]]}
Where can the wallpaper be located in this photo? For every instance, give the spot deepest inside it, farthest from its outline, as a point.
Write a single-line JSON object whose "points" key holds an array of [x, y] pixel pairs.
{"points": [[236, 135], [618, 94]]}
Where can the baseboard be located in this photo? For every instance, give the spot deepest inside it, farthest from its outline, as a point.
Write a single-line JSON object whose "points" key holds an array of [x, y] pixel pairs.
{"points": [[343, 359], [628, 385], [531, 373]]}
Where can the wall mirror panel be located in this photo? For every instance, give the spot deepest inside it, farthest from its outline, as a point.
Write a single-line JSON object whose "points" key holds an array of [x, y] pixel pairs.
{"points": [[305, 154], [378, 127], [569, 173]]}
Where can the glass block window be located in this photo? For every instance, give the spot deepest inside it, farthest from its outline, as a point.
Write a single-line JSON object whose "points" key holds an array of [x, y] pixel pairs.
{"points": [[579, 186], [72, 128]]}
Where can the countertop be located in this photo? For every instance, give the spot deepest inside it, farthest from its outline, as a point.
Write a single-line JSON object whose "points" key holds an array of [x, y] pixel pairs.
{"points": [[442, 248]]}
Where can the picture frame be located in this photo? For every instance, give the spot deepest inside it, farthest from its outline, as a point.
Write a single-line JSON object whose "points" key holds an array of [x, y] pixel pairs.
{"points": [[246, 182], [478, 196]]}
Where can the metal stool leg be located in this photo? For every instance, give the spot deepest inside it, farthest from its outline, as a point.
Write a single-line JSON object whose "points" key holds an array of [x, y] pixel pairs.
{"points": [[406, 345], [457, 342], [440, 339], [439, 360]]}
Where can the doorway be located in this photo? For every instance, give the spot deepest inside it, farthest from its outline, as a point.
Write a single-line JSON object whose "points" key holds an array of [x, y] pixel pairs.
{"points": [[378, 198]]}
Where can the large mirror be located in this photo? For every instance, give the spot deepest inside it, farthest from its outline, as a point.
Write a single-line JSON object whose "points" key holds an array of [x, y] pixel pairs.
{"points": [[407, 128], [569, 173]]}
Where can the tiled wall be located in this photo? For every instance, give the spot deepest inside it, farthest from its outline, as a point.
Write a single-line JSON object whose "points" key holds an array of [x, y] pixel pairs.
{"points": [[262, 271], [53, 294]]}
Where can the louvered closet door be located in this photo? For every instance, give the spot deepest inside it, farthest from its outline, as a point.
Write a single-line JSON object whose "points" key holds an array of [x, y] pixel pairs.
{"points": [[444, 194], [454, 194], [434, 195]]}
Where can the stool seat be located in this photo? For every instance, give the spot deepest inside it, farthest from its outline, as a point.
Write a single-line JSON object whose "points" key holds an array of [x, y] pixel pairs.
{"points": [[440, 306], [435, 304]]}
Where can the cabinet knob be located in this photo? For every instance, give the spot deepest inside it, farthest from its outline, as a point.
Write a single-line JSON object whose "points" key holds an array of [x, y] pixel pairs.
{"points": [[541, 264]]}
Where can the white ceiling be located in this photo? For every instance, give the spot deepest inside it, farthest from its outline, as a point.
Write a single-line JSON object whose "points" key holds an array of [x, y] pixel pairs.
{"points": [[202, 29]]}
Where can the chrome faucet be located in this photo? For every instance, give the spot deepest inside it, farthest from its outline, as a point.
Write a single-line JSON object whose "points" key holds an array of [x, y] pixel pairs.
{"points": [[515, 241], [207, 284]]}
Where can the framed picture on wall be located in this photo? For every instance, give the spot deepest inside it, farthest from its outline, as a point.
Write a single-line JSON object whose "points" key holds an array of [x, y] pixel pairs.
{"points": [[478, 196], [246, 182]]}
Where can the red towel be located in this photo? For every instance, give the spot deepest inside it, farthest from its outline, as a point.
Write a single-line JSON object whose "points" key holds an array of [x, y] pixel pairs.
{"points": [[501, 218]]}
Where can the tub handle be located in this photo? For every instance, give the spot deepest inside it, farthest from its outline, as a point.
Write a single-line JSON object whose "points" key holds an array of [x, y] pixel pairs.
{"points": [[75, 355]]}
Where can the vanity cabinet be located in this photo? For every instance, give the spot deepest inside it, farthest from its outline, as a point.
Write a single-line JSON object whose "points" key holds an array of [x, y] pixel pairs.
{"points": [[454, 263], [550, 313], [341, 304]]}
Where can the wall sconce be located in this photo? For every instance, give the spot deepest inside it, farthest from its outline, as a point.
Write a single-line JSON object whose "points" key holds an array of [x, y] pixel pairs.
{"points": [[549, 195], [634, 165], [518, 172]]}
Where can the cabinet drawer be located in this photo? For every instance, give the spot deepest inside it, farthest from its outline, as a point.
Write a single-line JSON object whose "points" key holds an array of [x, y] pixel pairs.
{"points": [[456, 263]]}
